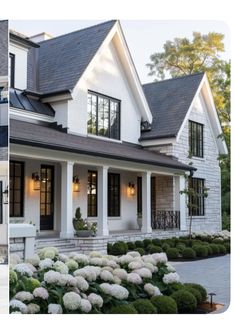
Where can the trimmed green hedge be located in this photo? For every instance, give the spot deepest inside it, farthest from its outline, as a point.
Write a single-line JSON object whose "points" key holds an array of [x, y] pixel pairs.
{"points": [[164, 304], [123, 309], [144, 306], [186, 301]]}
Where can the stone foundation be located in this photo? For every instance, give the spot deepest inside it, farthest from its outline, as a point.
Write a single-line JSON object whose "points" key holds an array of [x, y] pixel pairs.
{"points": [[87, 245], [17, 246]]}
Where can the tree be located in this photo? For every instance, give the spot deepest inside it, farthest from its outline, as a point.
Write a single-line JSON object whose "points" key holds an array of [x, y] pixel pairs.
{"points": [[201, 54]]}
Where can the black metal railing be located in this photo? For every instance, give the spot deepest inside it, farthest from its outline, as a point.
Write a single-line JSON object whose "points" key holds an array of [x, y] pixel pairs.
{"points": [[166, 219]]}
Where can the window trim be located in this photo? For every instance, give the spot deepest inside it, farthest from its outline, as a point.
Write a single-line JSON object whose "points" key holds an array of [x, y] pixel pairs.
{"points": [[12, 71], [199, 141], [110, 98], [22, 189], [108, 192], [194, 212]]}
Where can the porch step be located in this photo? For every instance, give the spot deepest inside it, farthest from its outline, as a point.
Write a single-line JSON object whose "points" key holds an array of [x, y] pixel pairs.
{"points": [[64, 246]]}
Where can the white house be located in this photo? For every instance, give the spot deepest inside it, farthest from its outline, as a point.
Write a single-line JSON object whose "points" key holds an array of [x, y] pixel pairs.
{"points": [[85, 133]]}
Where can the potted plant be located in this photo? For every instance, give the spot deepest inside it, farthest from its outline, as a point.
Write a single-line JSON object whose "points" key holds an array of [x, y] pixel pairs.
{"points": [[82, 227], [139, 219]]}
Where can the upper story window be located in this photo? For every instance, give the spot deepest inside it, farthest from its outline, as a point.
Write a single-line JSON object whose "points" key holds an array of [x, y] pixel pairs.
{"points": [[12, 70], [103, 116], [196, 139]]}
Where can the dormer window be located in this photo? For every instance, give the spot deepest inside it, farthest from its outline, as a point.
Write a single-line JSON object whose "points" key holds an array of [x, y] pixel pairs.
{"points": [[103, 116], [12, 70]]}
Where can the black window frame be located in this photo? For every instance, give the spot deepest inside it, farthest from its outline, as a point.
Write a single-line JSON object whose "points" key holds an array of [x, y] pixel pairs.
{"points": [[110, 99], [12, 71], [12, 189], [139, 195], [196, 138], [91, 206], [113, 199], [1, 203], [198, 185]]}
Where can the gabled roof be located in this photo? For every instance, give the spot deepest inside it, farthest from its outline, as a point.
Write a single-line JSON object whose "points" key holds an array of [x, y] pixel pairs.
{"points": [[36, 135], [3, 48], [169, 101], [62, 60]]}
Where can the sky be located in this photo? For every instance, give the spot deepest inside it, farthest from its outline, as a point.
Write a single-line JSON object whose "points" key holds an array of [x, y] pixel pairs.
{"points": [[144, 37]]}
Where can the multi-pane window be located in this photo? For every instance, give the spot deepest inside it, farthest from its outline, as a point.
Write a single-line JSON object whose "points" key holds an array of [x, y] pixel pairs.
{"points": [[196, 199], [139, 195], [113, 195], [16, 188], [196, 139], [92, 193], [103, 116], [12, 70]]}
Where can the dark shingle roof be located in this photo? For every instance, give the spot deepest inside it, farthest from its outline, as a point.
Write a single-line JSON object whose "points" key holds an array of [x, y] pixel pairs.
{"points": [[62, 60], [20, 101], [45, 137], [169, 101], [3, 48]]}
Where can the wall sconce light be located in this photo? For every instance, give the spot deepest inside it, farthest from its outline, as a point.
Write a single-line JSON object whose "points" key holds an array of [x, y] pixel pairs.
{"points": [[131, 188], [76, 183], [5, 196], [36, 179]]}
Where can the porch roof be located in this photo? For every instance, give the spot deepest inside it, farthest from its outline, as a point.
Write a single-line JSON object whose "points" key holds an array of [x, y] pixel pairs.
{"points": [[36, 135]]}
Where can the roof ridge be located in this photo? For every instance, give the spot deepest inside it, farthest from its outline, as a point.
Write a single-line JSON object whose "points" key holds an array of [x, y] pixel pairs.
{"points": [[75, 31], [174, 78]]}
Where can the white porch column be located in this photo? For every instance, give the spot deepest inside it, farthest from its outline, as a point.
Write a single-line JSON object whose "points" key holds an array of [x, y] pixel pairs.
{"points": [[102, 225], [146, 202], [67, 229], [180, 203]]}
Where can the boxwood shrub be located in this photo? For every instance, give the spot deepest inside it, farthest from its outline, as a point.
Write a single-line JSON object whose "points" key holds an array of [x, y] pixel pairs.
{"points": [[200, 288], [195, 293], [189, 253], [215, 249], [147, 242], [143, 306], [140, 250], [180, 246], [156, 242], [222, 249], [151, 249], [123, 309], [164, 304], [165, 246], [201, 251], [172, 253], [130, 245], [186, 302], [227, 246], [139, 244], [119, 248]]}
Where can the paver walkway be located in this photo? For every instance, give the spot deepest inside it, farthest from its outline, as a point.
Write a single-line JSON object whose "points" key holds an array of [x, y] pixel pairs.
{"points": [[212, 273], [3, 289]]}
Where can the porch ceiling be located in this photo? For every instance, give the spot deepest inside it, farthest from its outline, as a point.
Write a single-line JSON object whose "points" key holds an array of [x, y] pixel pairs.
{"points": [[44, 137]]}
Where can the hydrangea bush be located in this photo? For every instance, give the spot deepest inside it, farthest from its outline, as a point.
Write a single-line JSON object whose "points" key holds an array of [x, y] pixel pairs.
{"points": [[55, 283]]}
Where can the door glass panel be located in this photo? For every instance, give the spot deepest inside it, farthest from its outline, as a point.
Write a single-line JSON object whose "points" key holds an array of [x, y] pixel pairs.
{"points": [[46, 198]]}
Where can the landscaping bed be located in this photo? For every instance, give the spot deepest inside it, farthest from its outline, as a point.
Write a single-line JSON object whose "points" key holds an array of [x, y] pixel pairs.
{"points": [[183, 248], [50, 282]]}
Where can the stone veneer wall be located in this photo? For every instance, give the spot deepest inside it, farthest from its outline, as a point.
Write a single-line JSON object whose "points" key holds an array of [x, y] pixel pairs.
{"points": [[17, 246]]}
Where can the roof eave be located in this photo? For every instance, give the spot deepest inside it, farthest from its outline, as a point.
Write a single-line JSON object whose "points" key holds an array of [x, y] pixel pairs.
{"points": [[26, 42]]}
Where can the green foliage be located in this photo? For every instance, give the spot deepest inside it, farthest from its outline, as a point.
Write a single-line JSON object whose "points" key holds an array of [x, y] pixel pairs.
{"points": [[147, 242], [218, 240], [152, 249], [188, 253], [109, 248], [215, 249], [222, 249], [227, 246], [200, 288], [140, 250], [172, 253], [186, 301], [12, 277], [165, 246], [119, 248], [139, 244], [123, 309], [144, 306], [164, 304], [225, 216], [156, 242], [31, 283], [201, 251], [196, 293], [180, 246], [130, 245]]}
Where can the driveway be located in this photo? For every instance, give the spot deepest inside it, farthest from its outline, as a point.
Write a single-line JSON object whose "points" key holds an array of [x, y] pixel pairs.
{"points": [[4, 289], [212, 273]]}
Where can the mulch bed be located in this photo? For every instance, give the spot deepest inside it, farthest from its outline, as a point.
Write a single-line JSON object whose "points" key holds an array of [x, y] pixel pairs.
{"points": [[206, 308]]}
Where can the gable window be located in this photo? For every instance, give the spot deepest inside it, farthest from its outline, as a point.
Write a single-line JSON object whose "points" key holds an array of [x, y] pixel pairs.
{"points": [[12, 70], [196, 139], [16, 188], [92, 193], [113, 195], [196, 203], [103, 116]]}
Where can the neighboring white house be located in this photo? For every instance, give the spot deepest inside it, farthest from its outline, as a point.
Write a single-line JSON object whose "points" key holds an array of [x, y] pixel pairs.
{"points": [[85, 133]]}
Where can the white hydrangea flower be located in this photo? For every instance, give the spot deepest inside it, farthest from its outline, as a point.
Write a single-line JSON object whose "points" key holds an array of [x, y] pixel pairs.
{"points": [[134, 278], [83, 296], [95, 300], [134, 254], [85, 306], [112, 264], [48, 252], [119, 292], [64, 258], [81, 259], [82, 284], [67, 279], [24, 296], [16, 304], [121, 273], [72, 254], [107, 268], [160, 257], [106, 288], [171, 278], [23, 269], [135, 265], [117, 280], [54, 309], [152, 290], [72, 264], [104, 261], [97, 261], [106, 276], [170, 268], [52, 277], [71, 301], [45, 263], [41, 292], [86, 272], [95, 254], [151, 267], [31, 267], [61, 267], [125, 259], [34, 260], [148, 259], [33, 308], [144, 272], [14, 259]]}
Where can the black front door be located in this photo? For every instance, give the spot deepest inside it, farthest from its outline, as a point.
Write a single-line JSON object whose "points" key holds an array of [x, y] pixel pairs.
{"points": [[46, 197]]}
